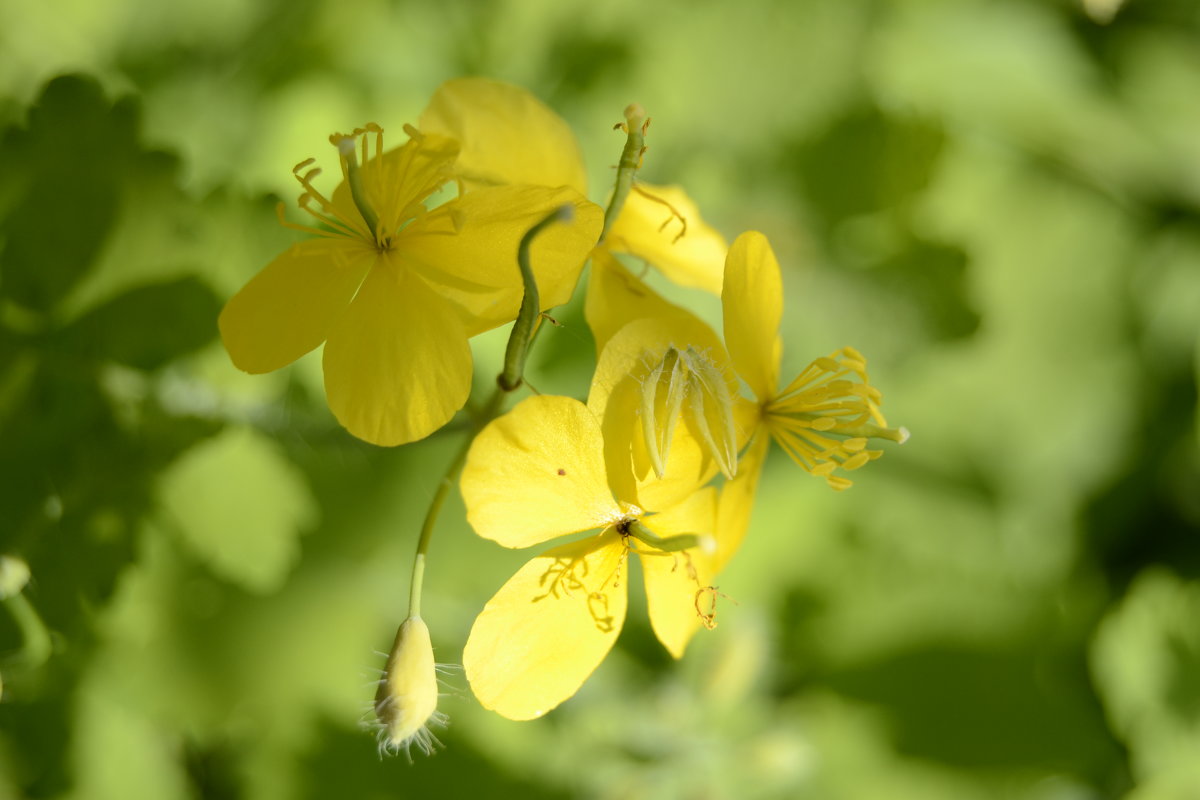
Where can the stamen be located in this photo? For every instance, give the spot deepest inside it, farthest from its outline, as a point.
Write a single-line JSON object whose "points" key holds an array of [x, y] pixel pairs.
{"points": [[324, 218], [824, 418], [279, 212]]}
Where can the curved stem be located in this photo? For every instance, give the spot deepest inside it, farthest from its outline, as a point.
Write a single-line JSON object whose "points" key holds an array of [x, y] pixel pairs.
{"points": [[523, 333], [670, 544], [439, 497], [631, 159], [523, 328]]}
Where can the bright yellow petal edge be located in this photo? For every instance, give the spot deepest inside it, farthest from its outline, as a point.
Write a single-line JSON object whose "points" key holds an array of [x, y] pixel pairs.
{"points": [[397, 363], [538, 472], [288, 308], [662, 226], [752, 302], [678, 583], [507, 135], [548, 628]]}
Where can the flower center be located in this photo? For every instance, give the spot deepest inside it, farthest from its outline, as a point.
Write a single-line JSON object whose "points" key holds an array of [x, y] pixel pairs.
{"points": [[381, 192]]}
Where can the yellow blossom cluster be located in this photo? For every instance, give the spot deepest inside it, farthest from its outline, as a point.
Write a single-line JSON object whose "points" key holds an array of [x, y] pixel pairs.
{"points": [[662, 459]]}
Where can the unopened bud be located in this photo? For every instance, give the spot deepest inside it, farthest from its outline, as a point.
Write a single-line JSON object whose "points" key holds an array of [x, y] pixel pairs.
{"points": [[686, 374], [406, 701]]}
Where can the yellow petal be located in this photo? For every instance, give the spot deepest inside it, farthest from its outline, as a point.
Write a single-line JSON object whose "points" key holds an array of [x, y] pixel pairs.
{"points": [[538, 472], [468, 248], [752, 299], [507, 135], [615, 298], [737, 499], [397, 364], [616, 399], [652, 227], [288, 309], [676, 582], [548, 628]]}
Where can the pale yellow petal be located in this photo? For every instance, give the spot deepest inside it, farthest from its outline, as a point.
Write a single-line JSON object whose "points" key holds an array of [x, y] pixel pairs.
{"points": [[677, 584], [548, 628], [616, 399], [615, 298], [736, 500], [288, 308], [468, 248], [630, 467], [752, 299], [397, 363], [538, 472], [662, 225], [507, 135]]}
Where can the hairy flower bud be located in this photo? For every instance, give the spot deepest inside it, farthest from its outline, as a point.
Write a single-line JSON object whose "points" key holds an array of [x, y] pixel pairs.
{"points": [[406, 700]]}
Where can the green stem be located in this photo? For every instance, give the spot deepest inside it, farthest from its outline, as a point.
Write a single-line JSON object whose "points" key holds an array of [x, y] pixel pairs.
{"points": [[523, 333], [439, 497], [510, 379], [523, 328], [627, 167], [669, 544]]}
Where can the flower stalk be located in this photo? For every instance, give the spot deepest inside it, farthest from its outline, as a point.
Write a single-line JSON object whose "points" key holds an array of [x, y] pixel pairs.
{"points": [[521, 337], [635, 125]]}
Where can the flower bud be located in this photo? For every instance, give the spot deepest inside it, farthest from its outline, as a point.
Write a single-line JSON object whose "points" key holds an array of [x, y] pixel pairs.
{"points": [[688, 374], [406, 701]]}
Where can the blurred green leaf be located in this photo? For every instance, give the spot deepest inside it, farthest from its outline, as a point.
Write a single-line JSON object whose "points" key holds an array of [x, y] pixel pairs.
{"points": [[241, 506], [1146, 663], [69, 162], [1018, 706], [148, 326], [866, 161]]}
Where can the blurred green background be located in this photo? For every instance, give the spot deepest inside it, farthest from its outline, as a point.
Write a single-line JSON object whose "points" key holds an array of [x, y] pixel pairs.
{"points": [[997, 202]]}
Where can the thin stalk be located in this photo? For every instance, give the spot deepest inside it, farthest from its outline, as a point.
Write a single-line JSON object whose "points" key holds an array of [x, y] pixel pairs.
{"points": [[439, 498], [631, 160], [522, 333]]}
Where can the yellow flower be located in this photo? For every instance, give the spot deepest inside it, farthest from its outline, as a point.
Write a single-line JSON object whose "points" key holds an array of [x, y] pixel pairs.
{"points": [[394, 290], [406, 700], [822, 419], [540, 472], [509, 136]]}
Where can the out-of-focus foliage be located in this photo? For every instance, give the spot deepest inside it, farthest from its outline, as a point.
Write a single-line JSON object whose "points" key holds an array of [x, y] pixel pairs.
{"points": [[997, 202]]}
